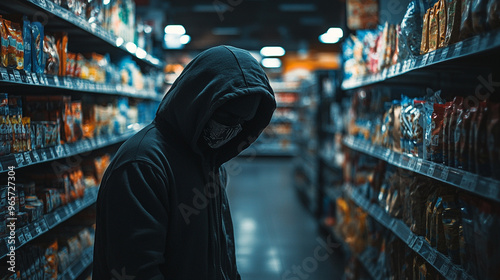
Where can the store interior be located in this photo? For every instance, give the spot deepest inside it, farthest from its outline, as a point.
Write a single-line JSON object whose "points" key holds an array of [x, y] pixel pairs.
{"points": [[380, 161]]}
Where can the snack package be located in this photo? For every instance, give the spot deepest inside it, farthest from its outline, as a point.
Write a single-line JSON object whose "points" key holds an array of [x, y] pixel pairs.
{"points": [[410, 37], [27, 44], [420, 189], [493, 134], [396, 130], [452, 141], [70, 64], [446, 125], [76, 109], [453, 16], [449, 205], [462, 139], [436, 143], [493, 17], [466, 20], [451, 225], [37, 59], [434, 27], [417, 140], [51, 55], [12, 44], [442, 23], [428, 106], [479, 16], [430, 203], [424, 47], [4, 124], [4, 43], [474, 126], [62, 50], [19, 47], [468, 217], [482, 157]]}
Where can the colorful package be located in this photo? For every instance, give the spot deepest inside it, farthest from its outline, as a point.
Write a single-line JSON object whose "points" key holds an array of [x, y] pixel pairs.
{"points": [[434, 27], [51, 55], [4, 42], [442, 23], [37, 58], [27, 44], [424, 47]]}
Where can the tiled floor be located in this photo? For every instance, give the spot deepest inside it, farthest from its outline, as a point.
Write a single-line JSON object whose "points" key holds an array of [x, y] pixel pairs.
{"points": [[276, 238]]}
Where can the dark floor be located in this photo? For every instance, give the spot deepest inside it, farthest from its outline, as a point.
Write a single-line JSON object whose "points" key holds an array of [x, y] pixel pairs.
{"points": [[276, 237]]}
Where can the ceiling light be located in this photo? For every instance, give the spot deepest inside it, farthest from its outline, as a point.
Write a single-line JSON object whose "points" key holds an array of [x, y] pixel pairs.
{"points": [[272, 51], [105, 2], [271, 62], [148, 29], [131, 47], [175, 29], [327, 38], [184, 39], [335, 31]]}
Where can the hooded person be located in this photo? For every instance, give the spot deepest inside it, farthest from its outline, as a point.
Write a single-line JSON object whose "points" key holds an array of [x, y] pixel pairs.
{"points": [[162, 209]]}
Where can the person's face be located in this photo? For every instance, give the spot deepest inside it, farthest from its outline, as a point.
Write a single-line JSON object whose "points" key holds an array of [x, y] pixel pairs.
{"points": [[227, 121]]}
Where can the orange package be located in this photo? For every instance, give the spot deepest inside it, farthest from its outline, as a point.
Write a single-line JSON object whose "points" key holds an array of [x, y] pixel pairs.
{"points": [[424, 47], [442, 23], [62, 50]]}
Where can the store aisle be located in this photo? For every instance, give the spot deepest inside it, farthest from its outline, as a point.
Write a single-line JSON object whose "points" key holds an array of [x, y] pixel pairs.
{"points": [[276, 238]]}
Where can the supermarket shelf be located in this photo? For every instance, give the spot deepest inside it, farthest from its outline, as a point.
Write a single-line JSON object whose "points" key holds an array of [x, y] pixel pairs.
{"points": [[286, 104], [20, 77], [470, 46], [417, 243], [37, 156], [482, 186], [364, 257], [94, 30], [49, 221], [77, 268]]}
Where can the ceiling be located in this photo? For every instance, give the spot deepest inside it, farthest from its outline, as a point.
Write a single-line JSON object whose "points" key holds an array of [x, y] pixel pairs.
{"points": [[251, 24]]}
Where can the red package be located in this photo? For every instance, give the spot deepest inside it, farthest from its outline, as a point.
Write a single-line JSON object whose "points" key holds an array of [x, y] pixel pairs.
{"points": [[471, 160], [437, 133], [446, 126], [457, 105], [493, 131], [482, 157]]}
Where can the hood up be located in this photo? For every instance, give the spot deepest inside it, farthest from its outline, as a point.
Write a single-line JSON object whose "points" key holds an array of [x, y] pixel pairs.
{"points": [[212, 78]]}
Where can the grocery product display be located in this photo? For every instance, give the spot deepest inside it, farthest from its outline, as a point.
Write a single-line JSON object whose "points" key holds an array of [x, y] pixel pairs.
{"points": [[279, 137], [62, 114]]}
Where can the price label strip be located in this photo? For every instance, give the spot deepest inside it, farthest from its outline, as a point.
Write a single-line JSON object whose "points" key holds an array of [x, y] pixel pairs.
{"points": [[444, 173], [4, 75]]}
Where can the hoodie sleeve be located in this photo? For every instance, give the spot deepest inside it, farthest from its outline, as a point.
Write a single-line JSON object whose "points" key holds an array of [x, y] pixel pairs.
{"points": [[134, 216]]}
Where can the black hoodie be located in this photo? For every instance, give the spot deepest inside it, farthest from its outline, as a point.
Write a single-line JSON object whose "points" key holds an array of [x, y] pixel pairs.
{"points": [[162, 210]]}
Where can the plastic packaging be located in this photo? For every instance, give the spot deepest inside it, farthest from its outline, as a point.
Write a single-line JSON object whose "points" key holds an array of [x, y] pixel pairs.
{"points": [[456, 112], [436, 143], [37, 37], [493, 132], [442, 15], [466, 20], [479, 16], [27, 44], [454, 14], [434, 27], [4, 42], [493, 17], [424, 47], [482, 158], [51, 55]]}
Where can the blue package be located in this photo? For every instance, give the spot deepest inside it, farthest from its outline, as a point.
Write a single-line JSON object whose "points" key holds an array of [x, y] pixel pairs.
{"points": [[38, 62], [27, 44]]}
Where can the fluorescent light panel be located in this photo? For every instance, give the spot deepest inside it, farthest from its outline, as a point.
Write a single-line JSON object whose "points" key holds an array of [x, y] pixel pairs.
{"points": [[272, 51]]}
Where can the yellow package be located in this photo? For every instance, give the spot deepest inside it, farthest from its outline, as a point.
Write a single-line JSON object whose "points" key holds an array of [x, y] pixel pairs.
{"points": [[433, 28], [442, 23], [424, 46]]}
